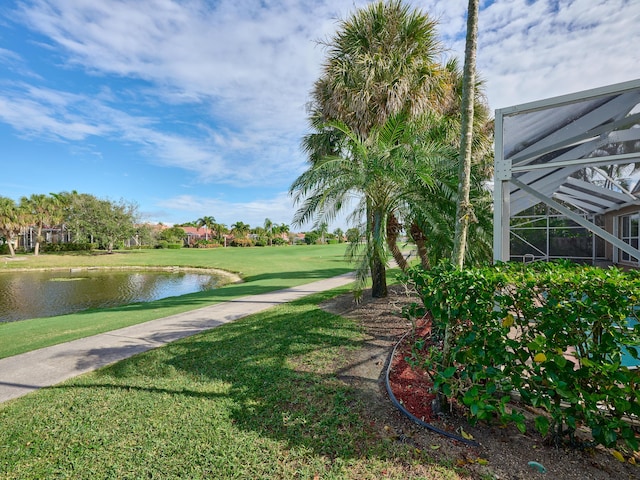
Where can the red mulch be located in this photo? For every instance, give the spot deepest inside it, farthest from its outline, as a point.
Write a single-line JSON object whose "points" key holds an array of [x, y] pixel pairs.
{"points": [[411, 385]]}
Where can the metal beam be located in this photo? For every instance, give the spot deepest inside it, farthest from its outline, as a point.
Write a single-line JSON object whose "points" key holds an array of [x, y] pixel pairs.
{"points": [[501, 196], [586, 127], [593, 93], [590, 161], [616, 242]]}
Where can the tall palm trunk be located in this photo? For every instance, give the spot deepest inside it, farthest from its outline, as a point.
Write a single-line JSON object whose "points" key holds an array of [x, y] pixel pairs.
{"points": [[393, 232], [464, 210]]}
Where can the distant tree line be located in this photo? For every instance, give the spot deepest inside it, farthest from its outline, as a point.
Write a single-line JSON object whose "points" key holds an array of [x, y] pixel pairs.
{"points": [[71, 221]]}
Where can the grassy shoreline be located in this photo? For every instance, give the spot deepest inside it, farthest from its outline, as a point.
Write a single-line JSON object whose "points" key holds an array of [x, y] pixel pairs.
{"points": [[261, 269]]}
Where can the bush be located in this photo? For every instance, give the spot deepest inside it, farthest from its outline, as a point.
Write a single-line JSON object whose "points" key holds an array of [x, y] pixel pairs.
{"points": [[241, 242], [279, 241], [206, 244], [311, 238], [174, 246], [555, 333], [68, 247], [162, 244]]}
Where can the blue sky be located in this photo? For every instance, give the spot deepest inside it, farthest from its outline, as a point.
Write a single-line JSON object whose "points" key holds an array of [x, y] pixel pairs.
{"points": [[197, 107]]}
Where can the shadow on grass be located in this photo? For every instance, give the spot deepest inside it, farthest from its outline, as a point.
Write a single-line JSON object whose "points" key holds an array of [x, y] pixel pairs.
{"points": [[281, 367], [300, 274]]}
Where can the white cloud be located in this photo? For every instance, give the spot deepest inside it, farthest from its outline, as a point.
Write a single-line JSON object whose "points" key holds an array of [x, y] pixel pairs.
{"points": [[244, 69], [47, 113], [254, 64], [530, 51], [249, 68]]}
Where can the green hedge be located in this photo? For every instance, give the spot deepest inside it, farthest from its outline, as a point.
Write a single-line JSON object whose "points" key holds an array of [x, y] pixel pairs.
{"points": [[555, 333], [68, 247]]}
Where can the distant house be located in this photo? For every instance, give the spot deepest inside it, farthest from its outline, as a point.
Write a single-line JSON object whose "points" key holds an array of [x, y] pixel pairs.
{"points": [[195, 234]]}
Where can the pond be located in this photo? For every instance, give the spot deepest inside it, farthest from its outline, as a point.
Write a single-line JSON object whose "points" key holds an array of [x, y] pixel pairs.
{"points": [[25, 295]]}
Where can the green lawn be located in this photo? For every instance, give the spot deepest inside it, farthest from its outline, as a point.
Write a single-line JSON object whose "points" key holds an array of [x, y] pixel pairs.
{"points": [[258, 398], [263, 270]]}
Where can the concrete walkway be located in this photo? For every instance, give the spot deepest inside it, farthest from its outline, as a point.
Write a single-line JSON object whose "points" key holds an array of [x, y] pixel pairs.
{"points": [[30, 371]]}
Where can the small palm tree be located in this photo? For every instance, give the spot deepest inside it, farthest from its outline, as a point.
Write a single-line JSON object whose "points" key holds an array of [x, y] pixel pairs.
{"points": [[268, 228], [11, 222], [40, 211], [240, 229], [282, 231], [377, 173], [221, 230], [208, 223]]}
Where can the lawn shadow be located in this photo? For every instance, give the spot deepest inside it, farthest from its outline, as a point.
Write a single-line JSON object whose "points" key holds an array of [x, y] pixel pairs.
{"points": [[282, 369]]}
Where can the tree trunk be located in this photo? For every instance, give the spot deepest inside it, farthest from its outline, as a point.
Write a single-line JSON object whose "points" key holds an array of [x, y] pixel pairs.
{"points": [[12, 250], [464, 209], [421, 243], [378, 278], [393, 230], [36, 250], [377, 263]]}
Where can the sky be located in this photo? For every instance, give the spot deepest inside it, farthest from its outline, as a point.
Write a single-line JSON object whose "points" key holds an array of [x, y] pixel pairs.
{"points": [[192, 108]]}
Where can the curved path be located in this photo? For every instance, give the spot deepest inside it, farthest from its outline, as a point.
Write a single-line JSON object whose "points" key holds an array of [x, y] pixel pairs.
{"points": [[30, 371]]}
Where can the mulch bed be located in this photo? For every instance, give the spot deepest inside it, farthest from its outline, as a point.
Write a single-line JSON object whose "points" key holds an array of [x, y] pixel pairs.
{"points": [[411, 384]]}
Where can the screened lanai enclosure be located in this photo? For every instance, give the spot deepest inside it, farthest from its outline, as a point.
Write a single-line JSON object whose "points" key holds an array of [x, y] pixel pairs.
{"points": [[566, 178]]}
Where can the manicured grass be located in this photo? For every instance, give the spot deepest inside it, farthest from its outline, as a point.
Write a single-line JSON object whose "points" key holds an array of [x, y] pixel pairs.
{"points": [[263, 270], [258, 398]]}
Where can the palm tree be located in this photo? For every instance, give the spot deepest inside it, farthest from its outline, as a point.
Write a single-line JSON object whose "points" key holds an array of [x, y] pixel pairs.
{"points": [[433, 211], [282, 231], [11, 222], [384, 60], [221, 231], [376, 172], [40, 211], [382, 63], [208, 223], [240, 229], [323, 229], [268, 228]]}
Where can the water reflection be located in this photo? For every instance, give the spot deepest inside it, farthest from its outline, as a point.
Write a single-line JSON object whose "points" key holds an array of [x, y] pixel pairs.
{"points": [[26, 295]]}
